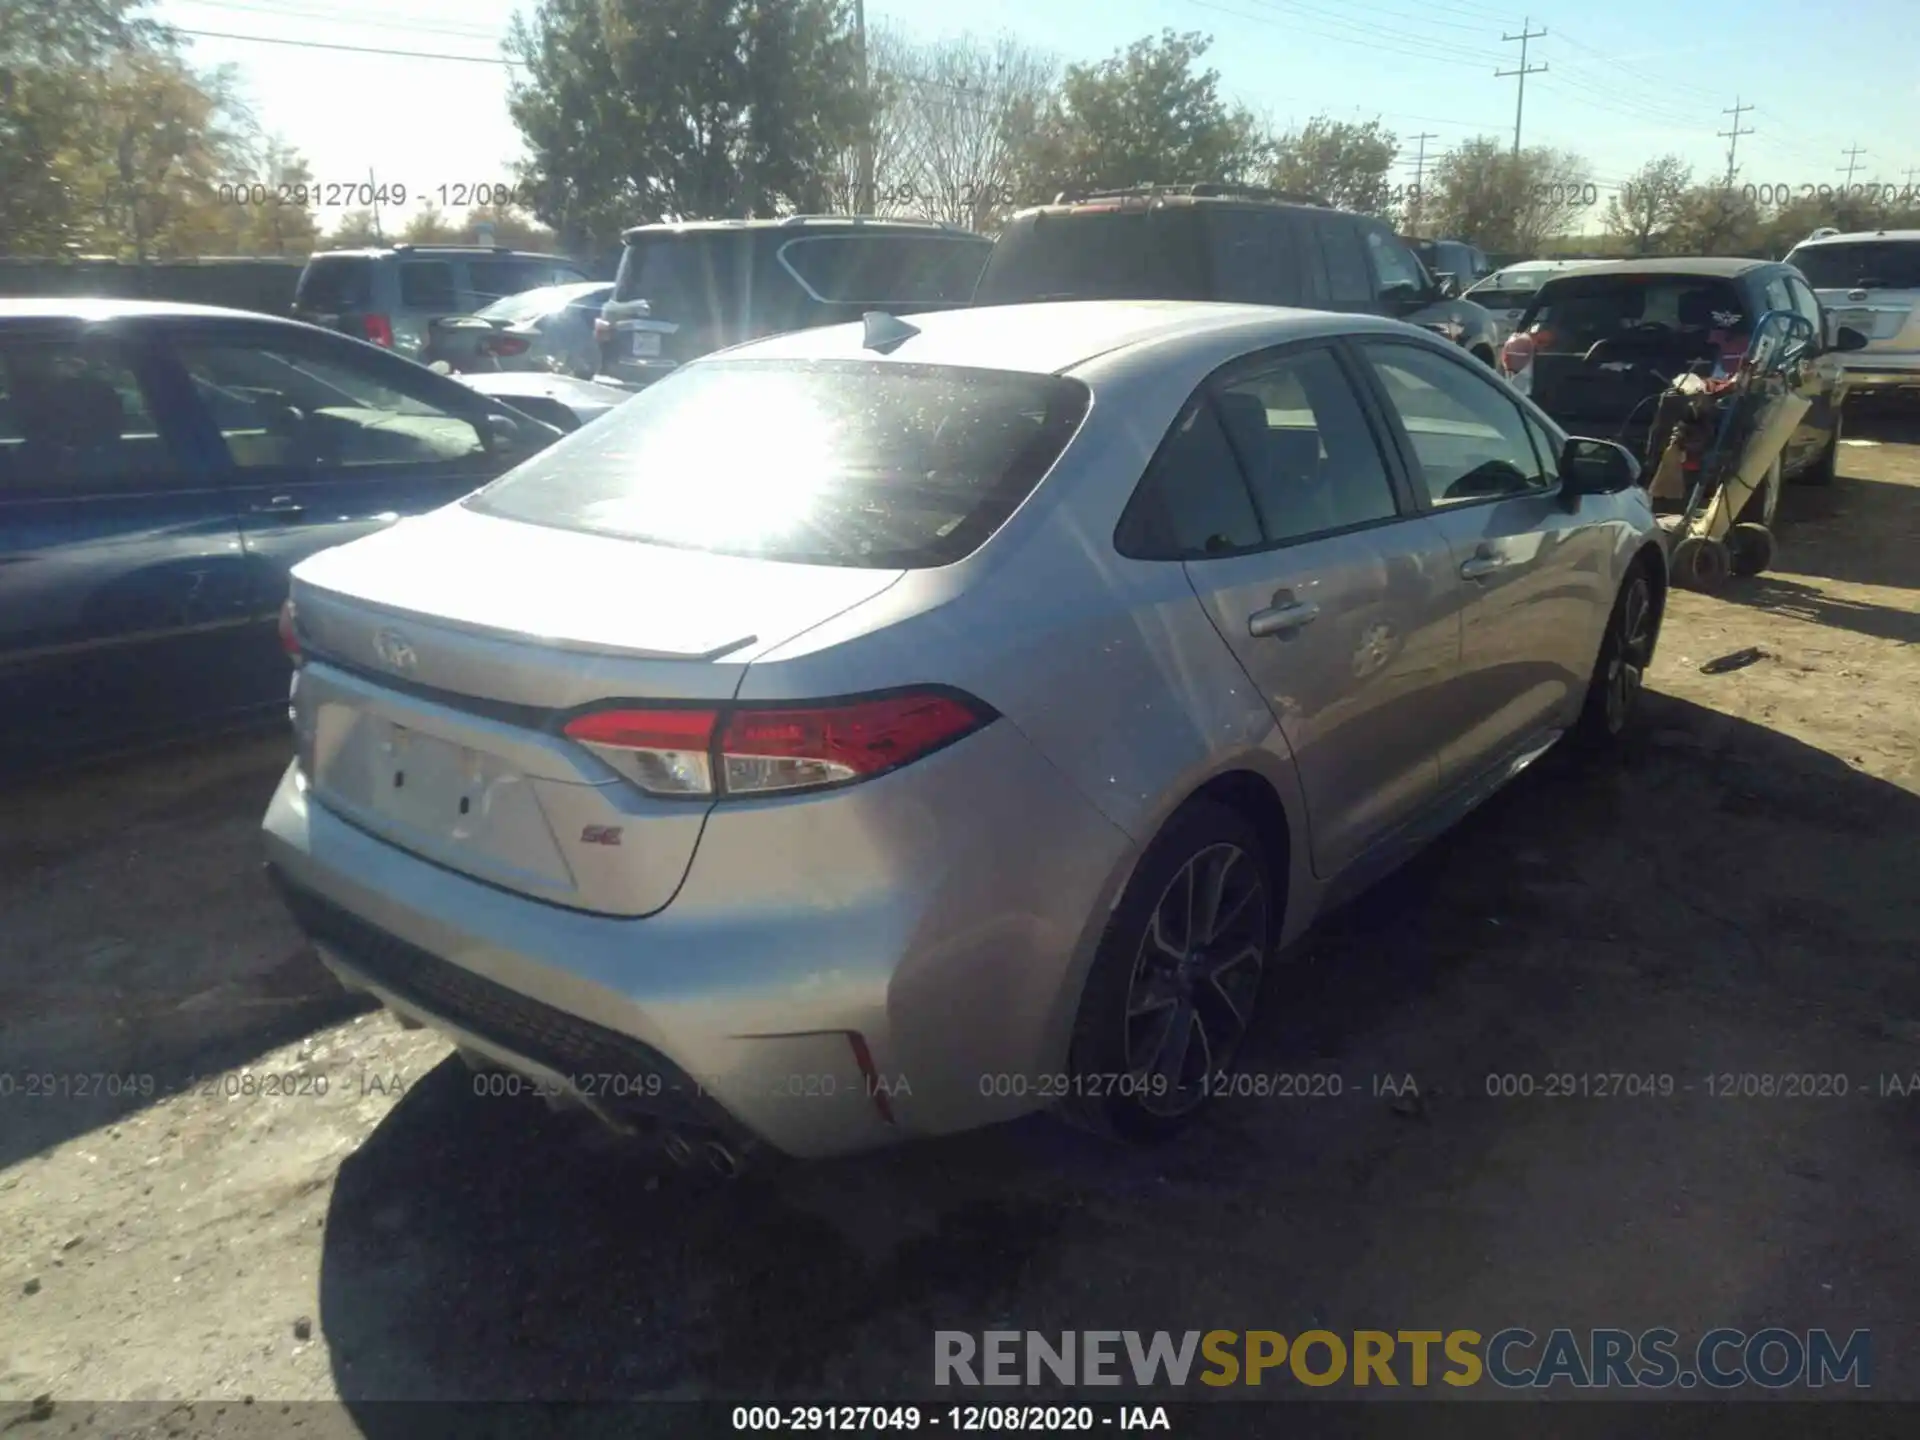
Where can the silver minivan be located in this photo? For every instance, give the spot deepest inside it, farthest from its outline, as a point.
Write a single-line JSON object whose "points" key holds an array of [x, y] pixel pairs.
{"points": [[1870, 281]]}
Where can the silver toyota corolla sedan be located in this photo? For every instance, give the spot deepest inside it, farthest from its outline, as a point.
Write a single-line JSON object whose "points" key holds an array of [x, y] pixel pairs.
{"points": [[885, 730]]}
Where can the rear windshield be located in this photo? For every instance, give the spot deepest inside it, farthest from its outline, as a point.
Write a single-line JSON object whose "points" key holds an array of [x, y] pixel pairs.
{"points": [[332, 283], [1506, 289], [495, 279], [1574, 313], [887, 269], [545, 301], [855, 463], [1097, 255], [680, 274], [1866, 265]]}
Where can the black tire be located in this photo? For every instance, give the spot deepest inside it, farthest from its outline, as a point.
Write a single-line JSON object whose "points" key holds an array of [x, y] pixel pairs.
{"points": [[1116, 1089], [1750, 548], [1619, 674], [1823, 470], [1701, 564]]}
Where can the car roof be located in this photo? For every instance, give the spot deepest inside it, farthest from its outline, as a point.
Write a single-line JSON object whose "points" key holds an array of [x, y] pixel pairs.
{"points": [[1055, 337], [94, 309], [801, 224], [1728, 267], [1854, 237], [381, 252]]}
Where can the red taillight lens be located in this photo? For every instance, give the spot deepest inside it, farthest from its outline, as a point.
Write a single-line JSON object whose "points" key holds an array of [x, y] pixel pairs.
{"points": [[602, 331], [378, 329], [290, 632], [758, 752], [504, 345]]}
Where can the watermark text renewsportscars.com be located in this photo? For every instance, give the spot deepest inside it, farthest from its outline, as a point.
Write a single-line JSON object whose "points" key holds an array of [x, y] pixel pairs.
{"points": [[1513, 1358]]}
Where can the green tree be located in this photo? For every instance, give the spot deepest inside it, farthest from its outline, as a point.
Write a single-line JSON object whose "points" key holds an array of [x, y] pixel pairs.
{"points": [[1485, 194], [640, 110], [430, 226], [1344, 163], [356, 230], [1644, 209], [1143, 115], [283, 225], [1716, 220]]}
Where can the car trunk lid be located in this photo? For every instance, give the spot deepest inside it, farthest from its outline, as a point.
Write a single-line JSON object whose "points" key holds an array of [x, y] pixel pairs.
{"points": [[443, 655]]}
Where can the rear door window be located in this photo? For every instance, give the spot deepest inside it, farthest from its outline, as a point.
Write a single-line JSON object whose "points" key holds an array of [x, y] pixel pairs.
{"points": [[76, 419], [856, 463], [1099, 254], [428, 285], [886, 269], [1349, 283], [1861, 265], [332, 284], [1255, 259]]}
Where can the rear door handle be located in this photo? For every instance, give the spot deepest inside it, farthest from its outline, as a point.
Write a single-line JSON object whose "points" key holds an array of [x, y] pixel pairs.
{"points": [[1282, 619], [278, 505], [1481, 566]]}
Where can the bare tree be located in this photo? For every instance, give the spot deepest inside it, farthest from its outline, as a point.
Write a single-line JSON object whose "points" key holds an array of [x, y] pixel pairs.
{"points": [[969, 96], [1647, 205], [891, 56]]}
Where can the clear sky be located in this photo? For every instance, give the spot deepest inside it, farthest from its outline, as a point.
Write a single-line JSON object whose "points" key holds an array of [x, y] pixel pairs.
{"points": [[1625, 79]]}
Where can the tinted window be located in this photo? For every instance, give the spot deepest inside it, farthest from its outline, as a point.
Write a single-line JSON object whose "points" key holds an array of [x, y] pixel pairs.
{"points": [[332, 283], [689, 278], [1860, 265], [1098, 255], [1576, 312], [1778, 296], [547, 301], [1393, 264], [831, 463], [887, 269], [428, 285], [1348, 281], [1255, 259], [1469, 438], [495, 279], [74, 419], [1193, 500], [1304, 444], [289, 404]]}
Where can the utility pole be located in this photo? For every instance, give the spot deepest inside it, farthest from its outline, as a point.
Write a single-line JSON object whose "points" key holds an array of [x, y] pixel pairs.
{"points": [[373, 185], [863, 203], [1527, 32], [1419, 170], [1853, 155], [1732, 137]]}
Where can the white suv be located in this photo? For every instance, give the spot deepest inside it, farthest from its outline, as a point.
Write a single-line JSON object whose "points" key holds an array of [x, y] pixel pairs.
{"points": [[1870, 282]]}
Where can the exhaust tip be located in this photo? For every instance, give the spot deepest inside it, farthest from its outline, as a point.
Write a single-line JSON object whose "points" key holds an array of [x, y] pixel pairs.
{"points": [[677, 1147], [723, 1162]]}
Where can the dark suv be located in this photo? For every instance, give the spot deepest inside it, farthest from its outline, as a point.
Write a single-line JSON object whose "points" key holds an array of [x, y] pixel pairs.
{"points": [[684, 290], [1208, 242], [391, 295]]}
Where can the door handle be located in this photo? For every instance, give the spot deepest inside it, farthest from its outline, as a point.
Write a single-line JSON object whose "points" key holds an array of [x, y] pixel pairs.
{"points": [[278, 505], [1481, 566], [1282, 619]]}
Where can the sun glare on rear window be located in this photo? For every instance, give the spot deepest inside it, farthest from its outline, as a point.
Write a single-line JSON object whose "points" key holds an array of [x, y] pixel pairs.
{"points": [[833, 462]]}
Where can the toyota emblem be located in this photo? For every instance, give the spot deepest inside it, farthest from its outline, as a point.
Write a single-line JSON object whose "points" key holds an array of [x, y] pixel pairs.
{"points": [[394, 650]]}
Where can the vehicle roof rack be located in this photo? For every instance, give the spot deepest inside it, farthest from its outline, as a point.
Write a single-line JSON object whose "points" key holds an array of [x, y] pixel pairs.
{"points": [[829, 219], [434, 245], [1201, 191]]}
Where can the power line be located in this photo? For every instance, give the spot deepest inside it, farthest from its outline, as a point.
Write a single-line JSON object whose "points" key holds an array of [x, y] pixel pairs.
{"points": [[359, 21], [1732, 137], [352, 49], [1526, 33]]}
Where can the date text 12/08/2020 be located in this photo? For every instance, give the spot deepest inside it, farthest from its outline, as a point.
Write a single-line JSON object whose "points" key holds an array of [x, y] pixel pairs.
{"points": [[449, 195]]}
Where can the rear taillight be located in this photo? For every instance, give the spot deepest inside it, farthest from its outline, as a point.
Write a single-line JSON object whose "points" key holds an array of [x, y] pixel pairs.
{"points": [[602, 331], [754, 751], [290, 632], [378, 329], [504, 345]]}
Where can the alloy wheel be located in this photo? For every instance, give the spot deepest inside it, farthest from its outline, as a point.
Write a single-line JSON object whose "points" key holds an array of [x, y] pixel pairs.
{"points": [[1632, 651]]}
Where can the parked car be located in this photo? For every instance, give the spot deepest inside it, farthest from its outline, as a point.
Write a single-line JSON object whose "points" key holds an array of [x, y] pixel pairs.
{"points": [[1870, 282], [1598, 345], [684, 290], [1211, 242], [559, 400], [162, 468], [549, 330], [1465, 263], [390, 294], [1506, 293], [890, 729]]}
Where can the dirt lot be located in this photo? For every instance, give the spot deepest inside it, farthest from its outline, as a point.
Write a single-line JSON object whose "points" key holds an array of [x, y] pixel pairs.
{"points": [[1738, 896]]}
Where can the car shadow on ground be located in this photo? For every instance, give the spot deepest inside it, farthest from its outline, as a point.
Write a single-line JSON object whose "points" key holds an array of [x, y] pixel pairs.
{"points": [[1858, 531], [145, 949], [480, 1248]]}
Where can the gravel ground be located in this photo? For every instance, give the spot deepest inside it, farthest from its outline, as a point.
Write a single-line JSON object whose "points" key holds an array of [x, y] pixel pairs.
{"points": [[1737, 896]]}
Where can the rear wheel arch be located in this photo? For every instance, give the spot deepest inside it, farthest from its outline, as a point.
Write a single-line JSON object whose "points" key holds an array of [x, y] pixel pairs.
{"points": [[1252, 795]]}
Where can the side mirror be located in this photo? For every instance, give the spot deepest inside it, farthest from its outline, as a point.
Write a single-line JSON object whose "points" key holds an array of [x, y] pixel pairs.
{"points": [[1596, 467], [1848, 338]]}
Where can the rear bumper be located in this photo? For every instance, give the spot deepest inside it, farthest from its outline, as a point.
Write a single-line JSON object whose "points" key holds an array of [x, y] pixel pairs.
{"points": [[949, 935], [1883, 370]]}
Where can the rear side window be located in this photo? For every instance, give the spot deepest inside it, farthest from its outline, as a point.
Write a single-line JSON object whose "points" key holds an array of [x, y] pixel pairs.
{"points": [[428, 285], [1256, 259], [886, 269], [856, 463], [1096, 254], [1348, 280], [75, 420], [1862, 265], [334, 283], [1193, 500]]}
